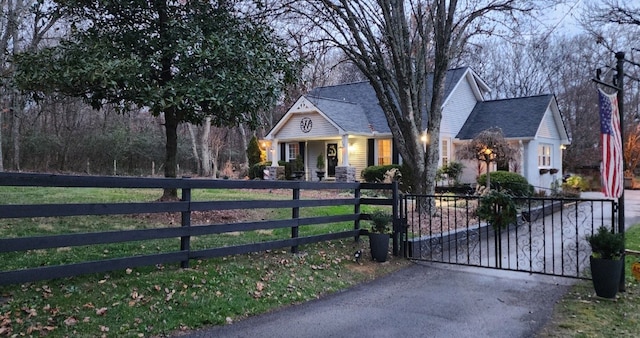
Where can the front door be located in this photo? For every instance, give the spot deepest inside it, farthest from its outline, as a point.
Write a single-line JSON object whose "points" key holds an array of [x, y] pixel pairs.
{"points": [[332, 159]]}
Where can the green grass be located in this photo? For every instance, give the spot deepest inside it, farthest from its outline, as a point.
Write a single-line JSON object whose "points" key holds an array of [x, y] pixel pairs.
{"points": [[582, 314], [158, 300]]}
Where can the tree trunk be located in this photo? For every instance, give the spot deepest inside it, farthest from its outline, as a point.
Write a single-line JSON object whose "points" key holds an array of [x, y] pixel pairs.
{"points": [[214, 161], [171, 149], [205, 150], [243, 139], [2, 113], [194, 149]]}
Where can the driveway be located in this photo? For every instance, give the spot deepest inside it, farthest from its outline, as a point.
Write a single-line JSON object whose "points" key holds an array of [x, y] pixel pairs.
{"points": [[424, 300]]}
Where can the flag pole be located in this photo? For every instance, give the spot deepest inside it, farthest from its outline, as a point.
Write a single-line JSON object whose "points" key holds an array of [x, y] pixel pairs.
{"points": [[620, 84]]}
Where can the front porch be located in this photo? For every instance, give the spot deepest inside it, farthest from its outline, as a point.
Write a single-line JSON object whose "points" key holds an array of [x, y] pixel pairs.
{"points": [[314, 160]]}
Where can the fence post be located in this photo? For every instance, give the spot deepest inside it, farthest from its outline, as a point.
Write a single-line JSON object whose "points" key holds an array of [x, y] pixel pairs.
{"points": [[295, 214], [356, 210], [185, 241], [395, 222]]}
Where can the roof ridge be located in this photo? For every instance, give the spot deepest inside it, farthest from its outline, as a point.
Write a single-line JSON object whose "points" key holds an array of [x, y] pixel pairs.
{"points": [[329, 99], [517, 98], [342, 84]]}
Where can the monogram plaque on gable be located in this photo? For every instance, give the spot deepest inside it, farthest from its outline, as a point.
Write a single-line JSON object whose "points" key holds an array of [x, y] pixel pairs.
{"points": [[306, 124]]}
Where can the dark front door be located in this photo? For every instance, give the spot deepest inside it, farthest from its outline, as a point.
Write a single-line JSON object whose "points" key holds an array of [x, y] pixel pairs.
{"points": [[332, 159]]}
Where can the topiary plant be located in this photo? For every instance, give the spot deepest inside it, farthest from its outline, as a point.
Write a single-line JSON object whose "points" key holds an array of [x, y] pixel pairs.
{"points": [[381, 222], [497, 208], [320, 161], [514, 183], [253, 151], [605, 244]]}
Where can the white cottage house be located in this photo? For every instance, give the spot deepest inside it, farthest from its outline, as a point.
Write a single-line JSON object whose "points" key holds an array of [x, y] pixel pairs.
{"points": [[346, 125]]}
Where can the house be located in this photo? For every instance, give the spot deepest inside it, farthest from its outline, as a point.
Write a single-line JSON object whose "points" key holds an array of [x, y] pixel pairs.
{"points": [[346, 125]]}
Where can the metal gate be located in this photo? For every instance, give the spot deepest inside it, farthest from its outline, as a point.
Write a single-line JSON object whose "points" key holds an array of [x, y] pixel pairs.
{"points": [[549, 236]]}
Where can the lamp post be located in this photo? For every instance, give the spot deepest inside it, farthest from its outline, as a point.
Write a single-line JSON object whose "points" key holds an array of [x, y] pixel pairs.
{"points": [[487, 155]]}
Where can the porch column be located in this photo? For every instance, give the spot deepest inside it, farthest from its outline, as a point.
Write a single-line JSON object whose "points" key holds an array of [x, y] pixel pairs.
{"points": [[276, 172], [275, 147], [345, 150]]}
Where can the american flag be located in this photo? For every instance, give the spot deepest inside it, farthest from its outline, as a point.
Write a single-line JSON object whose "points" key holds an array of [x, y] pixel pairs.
{"points": [[611, 139]]}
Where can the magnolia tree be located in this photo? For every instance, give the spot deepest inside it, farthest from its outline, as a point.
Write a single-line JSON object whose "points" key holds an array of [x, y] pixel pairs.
{"points": [[187, 61]]}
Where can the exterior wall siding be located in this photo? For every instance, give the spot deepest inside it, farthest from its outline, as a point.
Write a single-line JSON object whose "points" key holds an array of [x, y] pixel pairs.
{"points": [[358, 155], [548, 127], [457, 109], [320, 127], [543, 182]]}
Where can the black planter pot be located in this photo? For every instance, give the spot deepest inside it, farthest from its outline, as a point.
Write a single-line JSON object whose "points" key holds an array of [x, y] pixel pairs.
{"points": [[606, 276], [379, 244]]}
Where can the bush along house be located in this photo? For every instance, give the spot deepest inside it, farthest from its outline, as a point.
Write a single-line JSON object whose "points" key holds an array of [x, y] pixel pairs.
{"points": [[346, 125]]}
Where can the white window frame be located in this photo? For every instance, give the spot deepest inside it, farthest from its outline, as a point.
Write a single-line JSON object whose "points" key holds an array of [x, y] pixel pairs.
{"points": [[444, 152], [293, 149], [545, 152]]}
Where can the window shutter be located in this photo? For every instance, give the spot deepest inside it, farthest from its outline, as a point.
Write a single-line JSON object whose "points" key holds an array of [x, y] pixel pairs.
{"points": [[370, 152], [395, 156], [301, 145], [283, 151]]}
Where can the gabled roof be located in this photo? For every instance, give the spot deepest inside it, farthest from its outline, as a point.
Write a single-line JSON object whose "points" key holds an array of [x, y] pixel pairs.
{"points": [[360, 94], [363, 95], [347, 115], [518, 118]]}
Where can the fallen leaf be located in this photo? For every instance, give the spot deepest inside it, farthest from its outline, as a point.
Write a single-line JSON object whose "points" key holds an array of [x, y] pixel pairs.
{"points": [[88, 306], [86, 320], [229, 320], [259, 286], [30, 312], [128, 271], [104, 328], [101, 311], [70, 321]]}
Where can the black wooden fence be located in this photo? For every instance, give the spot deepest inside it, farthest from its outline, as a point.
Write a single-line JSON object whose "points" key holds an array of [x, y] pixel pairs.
{"points": [[186, 206]]}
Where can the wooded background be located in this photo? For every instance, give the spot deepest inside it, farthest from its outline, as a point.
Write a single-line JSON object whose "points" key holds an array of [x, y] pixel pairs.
{"points": [[556, 50]]}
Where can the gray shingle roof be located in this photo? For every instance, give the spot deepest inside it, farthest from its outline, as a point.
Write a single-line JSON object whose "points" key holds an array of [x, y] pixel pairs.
{"points": [[518, 118], [349, 116], [361, 94]]}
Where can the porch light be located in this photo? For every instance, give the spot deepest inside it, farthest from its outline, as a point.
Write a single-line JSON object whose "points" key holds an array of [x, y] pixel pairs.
{"points": [[424, 138]]}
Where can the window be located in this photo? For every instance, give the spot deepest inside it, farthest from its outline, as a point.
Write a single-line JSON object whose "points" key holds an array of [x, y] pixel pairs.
{"points": [[293, 150], [544, 155], [445, 152], [384, 152]]}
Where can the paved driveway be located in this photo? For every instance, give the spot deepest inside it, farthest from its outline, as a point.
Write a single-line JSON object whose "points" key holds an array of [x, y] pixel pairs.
{"points": [[424, 300]]}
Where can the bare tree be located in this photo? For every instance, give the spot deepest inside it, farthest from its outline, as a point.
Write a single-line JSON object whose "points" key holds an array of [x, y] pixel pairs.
{"points": [[395, 44]]}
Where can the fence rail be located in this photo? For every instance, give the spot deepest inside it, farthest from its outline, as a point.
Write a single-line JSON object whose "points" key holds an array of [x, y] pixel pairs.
{"points": [[186, 206]]}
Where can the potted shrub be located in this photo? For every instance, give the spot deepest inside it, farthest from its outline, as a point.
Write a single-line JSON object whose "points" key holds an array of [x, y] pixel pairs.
{"points": [[606, 261], [298, 168], [379, 235], [320, 166]]}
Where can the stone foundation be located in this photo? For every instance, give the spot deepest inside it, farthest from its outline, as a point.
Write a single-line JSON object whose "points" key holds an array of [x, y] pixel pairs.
{"points": [[345, 174], [276, 173]]}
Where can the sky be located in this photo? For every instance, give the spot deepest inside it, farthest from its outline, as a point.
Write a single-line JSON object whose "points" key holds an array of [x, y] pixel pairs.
{"points": [[563, 18]]}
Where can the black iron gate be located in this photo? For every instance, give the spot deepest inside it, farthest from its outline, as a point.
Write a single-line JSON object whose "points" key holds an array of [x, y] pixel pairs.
{"points": [[549, 236]]}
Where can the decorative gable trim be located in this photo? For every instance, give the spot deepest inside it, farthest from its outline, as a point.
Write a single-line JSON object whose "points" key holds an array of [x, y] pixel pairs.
{"points": [[301, 107]]}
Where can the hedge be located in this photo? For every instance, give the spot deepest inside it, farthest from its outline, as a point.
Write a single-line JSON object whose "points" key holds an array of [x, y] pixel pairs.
{"points": [[515, 183]]}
